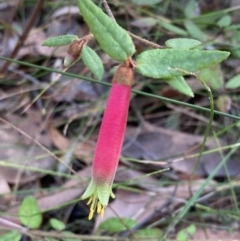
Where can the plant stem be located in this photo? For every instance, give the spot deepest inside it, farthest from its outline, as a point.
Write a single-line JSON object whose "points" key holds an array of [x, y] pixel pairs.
{"points": [[108, 9], [145, 41], [196, 107]]}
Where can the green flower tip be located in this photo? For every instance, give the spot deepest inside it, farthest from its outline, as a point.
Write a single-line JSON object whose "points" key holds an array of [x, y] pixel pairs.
{"points": [[98, 197]]}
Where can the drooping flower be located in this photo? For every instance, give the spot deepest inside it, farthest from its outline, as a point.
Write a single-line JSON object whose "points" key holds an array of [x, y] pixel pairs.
{"points": [[110, 141]]}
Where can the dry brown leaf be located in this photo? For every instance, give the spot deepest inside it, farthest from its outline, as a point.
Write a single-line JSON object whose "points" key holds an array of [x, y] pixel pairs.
{"points": [[34, 124], [147, 182], [214, 234], [16, 152], [155, 143], [7, 10], [5, 196], [66, 10], [83, 150], [12, 102], [31, 45], [69, 191], [142, 205]]}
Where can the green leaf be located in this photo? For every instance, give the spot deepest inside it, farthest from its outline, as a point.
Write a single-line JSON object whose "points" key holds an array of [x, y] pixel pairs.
{"points": [[182, 43], [234, 82], [59, 40], [225, 21], [11, 236], [212, 76], [208, 18], [112, 38], [166, 63], [179, 84], [172, 28], [92, 61], [56, 224], [149, 233], [235, 39], [146, 2], [190, 9], [115, 225], [186, 233], [30, 213], [195, 31], [51, 239]]}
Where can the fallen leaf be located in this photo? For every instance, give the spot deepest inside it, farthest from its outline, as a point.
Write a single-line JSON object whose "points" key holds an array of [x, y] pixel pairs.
{"points": [[146, 22], [215, 234], [34, 124], [5, 196], [83, 151], [72, 189], [15, 152], [157, 144], [143, 205], [32, 43]]}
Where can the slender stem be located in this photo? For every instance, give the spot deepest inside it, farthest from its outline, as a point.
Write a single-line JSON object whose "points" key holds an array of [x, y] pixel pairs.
{"points": [[145, 41], [108, 9], [193, 199], [206, 131], [196, 107]]}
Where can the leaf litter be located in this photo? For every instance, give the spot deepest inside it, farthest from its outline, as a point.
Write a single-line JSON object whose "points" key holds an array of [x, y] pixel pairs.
{"points": [[148, 149]]}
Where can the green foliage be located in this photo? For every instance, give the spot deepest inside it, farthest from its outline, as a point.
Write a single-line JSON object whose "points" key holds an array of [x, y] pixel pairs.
{"points": [[189, 10], [93, 62], [213, 77], [234, 82], [60, 40], [194, 31], [172, 28], [113, 39], [146, 2], [115, 225], [30, 213], [167, 63], [178, 83], [235, 40], [225, 21], [182, 43], [11, 236], [56, 224], [186, 233], [151, 234]]}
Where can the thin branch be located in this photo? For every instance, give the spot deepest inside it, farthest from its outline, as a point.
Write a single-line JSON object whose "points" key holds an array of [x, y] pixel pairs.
{"points": [[145, 41], [108, 9]]}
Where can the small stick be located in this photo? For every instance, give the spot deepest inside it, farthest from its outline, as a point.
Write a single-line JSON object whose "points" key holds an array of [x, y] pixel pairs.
{"points": [[108, 9], [145, 41]]}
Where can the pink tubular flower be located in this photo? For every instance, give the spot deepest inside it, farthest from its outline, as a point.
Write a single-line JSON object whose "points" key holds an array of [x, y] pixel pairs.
{"points": [[110, 141]]}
